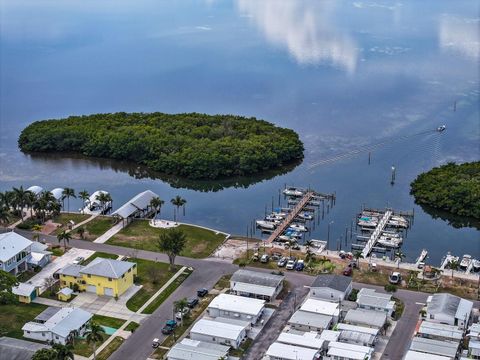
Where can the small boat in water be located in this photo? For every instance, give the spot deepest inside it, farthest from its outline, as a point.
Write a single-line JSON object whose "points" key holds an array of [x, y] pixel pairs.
{"points": [[389, 242], [292, 202], [305, 216], [293, 191], [298, 227], [314, 203], [441, 128], [368, 224], [465, 263], [397, 224], [266, 224]]}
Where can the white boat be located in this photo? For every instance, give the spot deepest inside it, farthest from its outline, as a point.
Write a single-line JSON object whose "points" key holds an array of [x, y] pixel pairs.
{"points": [[398, 224], [476, 265], [284, 238], [314, 203], [441, 128], [279, 214], [298, 227], [266, 224], [422, 257], [292, 191], [399, 218], [389, 242], [305, 216], [273, 218], [292, 202], [392, 238], [367, 224], [465, 263], [391, 234]]}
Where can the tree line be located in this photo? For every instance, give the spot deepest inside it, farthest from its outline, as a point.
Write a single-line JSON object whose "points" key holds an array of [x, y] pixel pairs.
{"points": [[452, 187], [191, 145]]}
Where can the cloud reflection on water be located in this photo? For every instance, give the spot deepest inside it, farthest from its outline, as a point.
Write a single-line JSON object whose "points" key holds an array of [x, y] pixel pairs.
{"points": [[460, 35], [305, 29]]}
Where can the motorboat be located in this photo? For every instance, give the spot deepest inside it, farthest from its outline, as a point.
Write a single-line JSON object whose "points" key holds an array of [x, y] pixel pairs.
{"points": [[292, 191], [279, 214], [465, 263], [397, 224], [314, 203], [305, 216], [392, 238], [441, 128], [368, 224], [273, 218], [292, 202], [399, 218], [298, 227], [389, 242], [391, 234], [284, 238], [266, 224], [476, 265]]}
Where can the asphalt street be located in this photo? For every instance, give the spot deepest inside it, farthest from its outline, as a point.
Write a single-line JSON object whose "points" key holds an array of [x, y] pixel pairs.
{"points": [[206, 274]]}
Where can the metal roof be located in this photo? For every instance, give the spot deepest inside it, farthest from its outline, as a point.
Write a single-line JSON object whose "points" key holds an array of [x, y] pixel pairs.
{"points": [[65, 291], [349, 351], [369, 297], [290, 352], [23, 289], [443, 303], [415, 355], [17, 349], [256, 278], [189, 349], [366, 317], [320, 307], [436, 347], [440, 330], [35, 189], [62, 323], [47, 313], [238, 304], [356, 337], [107, 268], [356, 328], [57, 193], [318, 321], [217, 329], [138, 202], [308, 339], [337, 282], [71, 270], [11, 244], [253, 289]]}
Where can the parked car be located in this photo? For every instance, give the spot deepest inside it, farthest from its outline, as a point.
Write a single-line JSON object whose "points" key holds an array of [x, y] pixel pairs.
{"points": [[276, 256], [192, 302], [155, 343], [352, 264], [282, 262], [255, 256], [78, 260], [167, 330], [180, 314], [395, 278], [342, 254], [202, 292], [264, 258], [347, 271], [290, 264], [300, 265]]}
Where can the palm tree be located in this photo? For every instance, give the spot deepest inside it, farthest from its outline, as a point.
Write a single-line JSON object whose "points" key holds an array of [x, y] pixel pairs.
{"points": [[21, 197], [84, 195], [180, 305], [104, 199], [65, 237], [357, 255], [6, 199], [156, 203], [453, 264], [400, 256], [177, 201], [64, 352], [172, 242], [94, 335], [4, 215], [68, 193]]}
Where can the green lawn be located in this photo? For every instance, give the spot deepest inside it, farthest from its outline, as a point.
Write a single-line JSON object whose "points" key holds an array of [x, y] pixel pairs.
{"points": [[99, 254], [26, 275], [132, 326], [64, 218], [108, 321], [82, 348], [146, 270], [140, 235], [13, 317], [95, 228], [166, 293], [110, 348]]}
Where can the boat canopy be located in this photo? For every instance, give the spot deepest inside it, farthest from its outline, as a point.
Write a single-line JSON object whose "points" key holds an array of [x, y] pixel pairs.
{"points": [[57, 193], [140, 202], [35, 189]]}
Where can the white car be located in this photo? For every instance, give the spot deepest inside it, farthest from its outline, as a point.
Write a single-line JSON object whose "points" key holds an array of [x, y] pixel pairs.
{"points": [[78, 260], [180, 314], [290, 265]]}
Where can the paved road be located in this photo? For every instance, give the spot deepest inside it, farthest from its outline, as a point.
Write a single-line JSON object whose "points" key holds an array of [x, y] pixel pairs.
{"points": [[206, 274]]}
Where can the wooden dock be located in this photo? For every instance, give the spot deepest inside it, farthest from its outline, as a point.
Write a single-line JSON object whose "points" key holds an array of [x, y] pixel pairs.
{"points": [[291, 216]]}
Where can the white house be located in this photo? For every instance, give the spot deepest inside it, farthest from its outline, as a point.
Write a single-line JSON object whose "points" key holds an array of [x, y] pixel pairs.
{"points": [[236, 307], [15, 252], [371, 300], [343, 351], [218, 332], [279, 351], [317, 306], [448, 309], [58, 325], [331, 287], [358, 335], [40, 255], [259, 285], [307, 321], [415, 355], [440, 331], [368, 318], [189, 349], [305, 339], [448, 349]]}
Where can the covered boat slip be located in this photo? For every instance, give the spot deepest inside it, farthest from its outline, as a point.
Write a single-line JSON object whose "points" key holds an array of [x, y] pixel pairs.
{"points": [[136, 207]]}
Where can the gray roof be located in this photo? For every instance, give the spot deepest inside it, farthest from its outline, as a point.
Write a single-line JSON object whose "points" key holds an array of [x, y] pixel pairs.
{"points": [[62, 323], [436, 347], [257, 278], [305, 318], [337, 282], [47, 313], [369, 297], [23, 289], [107, 267], [440, 330], [356, 337], [39, 247], [17, 349], [139, 202], [71, 270], [11, 244], [366, 317], [443, 304], [189, 349]]}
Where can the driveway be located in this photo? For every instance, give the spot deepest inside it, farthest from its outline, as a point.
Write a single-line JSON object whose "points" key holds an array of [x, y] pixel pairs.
{"points": [[58, 263]]}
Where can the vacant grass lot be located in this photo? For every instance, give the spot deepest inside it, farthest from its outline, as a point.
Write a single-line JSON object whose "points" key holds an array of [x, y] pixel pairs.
{"points": [[64, 218], [108, 321], [95, 228], [140, 235], [13, 317], [99, 254]]}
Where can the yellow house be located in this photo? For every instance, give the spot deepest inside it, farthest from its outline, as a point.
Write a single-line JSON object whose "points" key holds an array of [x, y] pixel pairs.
{"points": [[102, 276], [25, 292], [64, 294]]}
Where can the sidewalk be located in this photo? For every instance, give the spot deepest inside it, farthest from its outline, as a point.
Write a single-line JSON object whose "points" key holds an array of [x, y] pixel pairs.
{"points": [[110, 232]]}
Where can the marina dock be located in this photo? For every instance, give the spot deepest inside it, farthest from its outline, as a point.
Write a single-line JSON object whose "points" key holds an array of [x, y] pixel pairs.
{"points": [[376, 234]]}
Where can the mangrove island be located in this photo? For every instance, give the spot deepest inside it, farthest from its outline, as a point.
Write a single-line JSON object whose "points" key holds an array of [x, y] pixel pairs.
{"points": [[190, 145]]}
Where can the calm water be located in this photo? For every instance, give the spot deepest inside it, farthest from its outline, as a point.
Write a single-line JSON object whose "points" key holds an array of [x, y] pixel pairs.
{"points": [[343, 74]]}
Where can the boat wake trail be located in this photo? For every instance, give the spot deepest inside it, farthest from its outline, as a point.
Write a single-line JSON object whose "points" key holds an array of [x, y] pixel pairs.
{"points": [[368, 148]]}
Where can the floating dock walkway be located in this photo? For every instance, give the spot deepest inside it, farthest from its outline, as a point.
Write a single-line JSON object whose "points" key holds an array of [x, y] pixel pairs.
{"points": [[376, 234]]}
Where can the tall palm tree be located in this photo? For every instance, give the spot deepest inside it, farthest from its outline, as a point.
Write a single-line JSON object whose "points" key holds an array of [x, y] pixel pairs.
{"points": [[84, 195], [177, 201], [156, 203], [65, 237], [64, 352], [400, 256], [453, 265], [68, 193], [21, 197], [180, 305], [94, 335], [357, 255], [4, 215], [104, 199], [6, 199]]}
